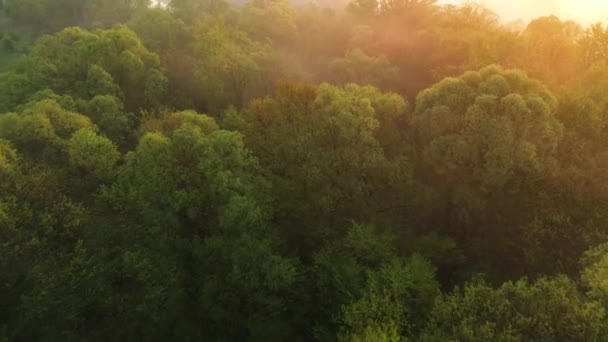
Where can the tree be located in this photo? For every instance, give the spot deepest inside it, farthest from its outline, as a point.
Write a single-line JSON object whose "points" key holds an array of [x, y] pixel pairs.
{"points": [[28, 77], [395, 304], [190, 10], [201, 246], [99, 82], [468, 37], [92, 154], [42, 225], [53, 15], [159, 30], [111, 12], [544, 310], [485, 141], [357, 67], [553, 49], [8, 161], [156, 88], [594, 45], [228, 66], [593, 273], [30, 12], [570, 215], [340, 271], [108, 114], [415, 10], [300, 211], [167, 122], [272, 20], [113, 62], [42, 130], [321, 147]]}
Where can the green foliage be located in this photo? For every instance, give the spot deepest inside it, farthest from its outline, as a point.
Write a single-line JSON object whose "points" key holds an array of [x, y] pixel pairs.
{"points": [[8, 43], [107, 112], [99, 82], [111, 62], [357, 67], [485, 140], [593, 273], [468, 37], [327, 212], [29, 11], [42, 130], [341, 269], [395, 303], [198, 189], [158, 29], [473, 121], [544, 310], [167, 122], [190, 10], [8, 164], [54, 15], [91, 153], [228, 65], [156, 86], [307, 138], [273, 20], [108, 13]]}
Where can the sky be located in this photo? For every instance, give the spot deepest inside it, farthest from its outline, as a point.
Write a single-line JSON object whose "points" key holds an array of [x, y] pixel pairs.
{"points": [[583, 11]]}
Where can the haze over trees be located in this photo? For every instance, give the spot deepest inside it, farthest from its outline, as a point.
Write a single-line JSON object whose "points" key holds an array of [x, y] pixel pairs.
{"points": [[270, 171]]}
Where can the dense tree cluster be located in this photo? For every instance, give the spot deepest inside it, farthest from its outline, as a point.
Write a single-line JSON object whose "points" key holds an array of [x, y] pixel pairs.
{"points": [[268, 171]]}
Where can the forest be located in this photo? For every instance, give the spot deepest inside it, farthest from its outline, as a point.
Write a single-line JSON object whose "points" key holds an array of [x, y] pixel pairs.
{"points": [[267, 170]]}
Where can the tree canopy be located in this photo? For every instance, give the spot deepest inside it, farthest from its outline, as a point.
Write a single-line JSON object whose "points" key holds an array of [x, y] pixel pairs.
{"points": [[269, 170]]}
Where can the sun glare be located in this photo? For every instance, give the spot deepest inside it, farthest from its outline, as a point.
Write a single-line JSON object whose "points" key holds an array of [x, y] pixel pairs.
{"points": [[584, 11]]}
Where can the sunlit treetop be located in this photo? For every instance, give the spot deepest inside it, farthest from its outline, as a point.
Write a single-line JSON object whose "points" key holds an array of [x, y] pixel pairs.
{"points": [[487, 127]]}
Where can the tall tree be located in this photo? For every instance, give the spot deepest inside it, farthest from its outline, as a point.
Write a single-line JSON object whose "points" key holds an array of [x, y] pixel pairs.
{"points": [[485, 141], [324, 151], [200, 242]]}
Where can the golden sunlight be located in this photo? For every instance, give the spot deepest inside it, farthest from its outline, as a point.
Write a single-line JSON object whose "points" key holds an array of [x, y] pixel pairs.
{"points": [[584, 11]]}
